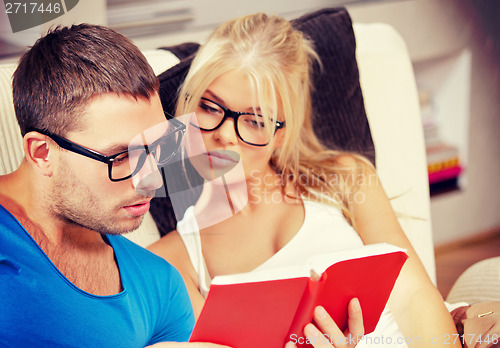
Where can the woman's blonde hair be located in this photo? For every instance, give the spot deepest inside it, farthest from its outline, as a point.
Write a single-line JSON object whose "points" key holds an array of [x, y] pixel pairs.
{"points": [[278, 60]]}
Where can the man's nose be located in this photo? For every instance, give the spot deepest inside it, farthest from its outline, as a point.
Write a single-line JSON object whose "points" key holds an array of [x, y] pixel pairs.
{"points": [[149, 178]]}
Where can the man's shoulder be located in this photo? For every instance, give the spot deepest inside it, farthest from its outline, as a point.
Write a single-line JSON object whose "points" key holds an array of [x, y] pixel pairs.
{"points": [[8, 221], [143, 272], [121, 244], [3, 212], [136, 257]]}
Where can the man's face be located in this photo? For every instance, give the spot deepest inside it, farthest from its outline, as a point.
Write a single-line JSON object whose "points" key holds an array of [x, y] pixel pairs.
{"points": [[82, 193]]}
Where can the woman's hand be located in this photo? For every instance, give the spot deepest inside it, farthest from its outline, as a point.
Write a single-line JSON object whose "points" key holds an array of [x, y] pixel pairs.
{"points": [[478, 324], [328, 334]]}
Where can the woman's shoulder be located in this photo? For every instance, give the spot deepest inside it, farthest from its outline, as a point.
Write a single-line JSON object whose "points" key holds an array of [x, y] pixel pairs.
{"points": [[170, 241], [172, 248]]}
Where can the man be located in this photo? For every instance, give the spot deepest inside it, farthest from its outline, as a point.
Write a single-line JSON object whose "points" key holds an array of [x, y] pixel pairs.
{"points": [[67, 278]]}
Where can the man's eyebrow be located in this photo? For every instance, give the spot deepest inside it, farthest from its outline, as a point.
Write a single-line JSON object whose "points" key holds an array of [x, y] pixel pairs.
{"points": [[114, 148], [144, 143]]}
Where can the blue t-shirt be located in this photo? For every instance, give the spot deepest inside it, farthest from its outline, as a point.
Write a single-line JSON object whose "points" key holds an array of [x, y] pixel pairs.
{"points": [[40, 307]]}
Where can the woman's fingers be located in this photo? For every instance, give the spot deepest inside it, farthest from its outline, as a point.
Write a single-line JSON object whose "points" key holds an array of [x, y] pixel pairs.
{"points": [[356, 328], [320, 339], [327, 325], [328, 334]]}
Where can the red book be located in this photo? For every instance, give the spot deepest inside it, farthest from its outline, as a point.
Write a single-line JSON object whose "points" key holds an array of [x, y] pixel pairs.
{"points": [[269, 308]]}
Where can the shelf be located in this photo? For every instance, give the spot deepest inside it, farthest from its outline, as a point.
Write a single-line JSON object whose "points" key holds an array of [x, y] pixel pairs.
{"points": [[444, 86]]}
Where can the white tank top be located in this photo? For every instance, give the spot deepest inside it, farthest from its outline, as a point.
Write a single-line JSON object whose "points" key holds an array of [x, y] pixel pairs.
{"points": [[324, 230]]}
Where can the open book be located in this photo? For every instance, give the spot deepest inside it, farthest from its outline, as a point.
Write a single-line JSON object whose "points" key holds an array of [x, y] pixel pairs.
{"points": [[270, 308]]}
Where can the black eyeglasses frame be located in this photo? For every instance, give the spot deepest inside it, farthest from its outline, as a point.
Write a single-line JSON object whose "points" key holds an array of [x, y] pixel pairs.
{"points": [[84, 151], [228, 113]]}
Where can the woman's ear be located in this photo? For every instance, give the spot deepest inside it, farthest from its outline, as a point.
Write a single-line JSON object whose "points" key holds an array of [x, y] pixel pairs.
{"points": [[37, 150]]}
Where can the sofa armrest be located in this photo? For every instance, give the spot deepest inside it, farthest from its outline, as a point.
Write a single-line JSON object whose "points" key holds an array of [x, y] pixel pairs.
{"points": [[480, 282], [11, 148], [391, 101]]}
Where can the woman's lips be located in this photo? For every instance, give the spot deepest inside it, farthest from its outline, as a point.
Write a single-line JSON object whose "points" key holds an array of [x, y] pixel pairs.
{"points": [[137, 209], [220, 159]]}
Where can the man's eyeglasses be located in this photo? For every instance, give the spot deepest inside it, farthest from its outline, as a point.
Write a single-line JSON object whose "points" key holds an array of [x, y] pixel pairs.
{"points": [[125, 164], [251, 128]]}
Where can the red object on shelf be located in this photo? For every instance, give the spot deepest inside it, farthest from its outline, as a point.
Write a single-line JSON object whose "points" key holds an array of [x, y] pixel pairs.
{"points": [[445, 174]]}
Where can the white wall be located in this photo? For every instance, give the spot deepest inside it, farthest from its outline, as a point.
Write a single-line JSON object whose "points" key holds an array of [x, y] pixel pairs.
{"points": [[476, 209], [436, 29]]}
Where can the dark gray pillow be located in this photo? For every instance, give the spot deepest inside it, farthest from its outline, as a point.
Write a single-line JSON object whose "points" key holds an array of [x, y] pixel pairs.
{"points": [[338, 108]]}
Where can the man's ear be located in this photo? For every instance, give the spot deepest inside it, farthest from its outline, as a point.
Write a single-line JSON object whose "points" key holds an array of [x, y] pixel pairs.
{"points": [[38, 150]]}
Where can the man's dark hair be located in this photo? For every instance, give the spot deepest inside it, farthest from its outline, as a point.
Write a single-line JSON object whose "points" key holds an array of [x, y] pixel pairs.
{"points": [[64, 70]]}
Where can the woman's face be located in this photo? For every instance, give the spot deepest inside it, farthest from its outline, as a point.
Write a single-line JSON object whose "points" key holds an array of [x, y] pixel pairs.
{"points": [[214, 153]]}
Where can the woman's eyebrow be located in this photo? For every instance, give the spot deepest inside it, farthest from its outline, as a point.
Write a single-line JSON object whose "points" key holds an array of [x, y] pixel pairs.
{"points": [[215, 96], [221, 101]]}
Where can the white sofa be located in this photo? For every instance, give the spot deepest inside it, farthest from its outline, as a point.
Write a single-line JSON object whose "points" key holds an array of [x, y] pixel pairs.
{"points": [[391, 102]]}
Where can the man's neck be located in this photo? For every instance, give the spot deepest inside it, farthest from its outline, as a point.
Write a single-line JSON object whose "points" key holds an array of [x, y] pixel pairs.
{"points": [[25, 196], [79, 253]]}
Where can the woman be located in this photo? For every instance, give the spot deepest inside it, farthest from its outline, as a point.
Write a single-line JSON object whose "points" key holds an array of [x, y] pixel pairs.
{"points": [[301, 196]]}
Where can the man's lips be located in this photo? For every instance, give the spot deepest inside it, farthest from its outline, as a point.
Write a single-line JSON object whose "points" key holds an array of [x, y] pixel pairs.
{"points": [[138, 209]]}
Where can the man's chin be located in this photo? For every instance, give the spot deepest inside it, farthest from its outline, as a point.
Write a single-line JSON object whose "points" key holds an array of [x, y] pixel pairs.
{"points": [[130, 226]]}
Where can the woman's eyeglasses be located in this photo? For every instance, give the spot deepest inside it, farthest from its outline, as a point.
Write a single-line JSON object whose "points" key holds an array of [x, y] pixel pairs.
{"points": [[251, 128]]}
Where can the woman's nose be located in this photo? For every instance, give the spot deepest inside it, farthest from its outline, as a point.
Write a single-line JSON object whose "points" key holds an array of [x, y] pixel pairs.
{"points": [[226, 133]]}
